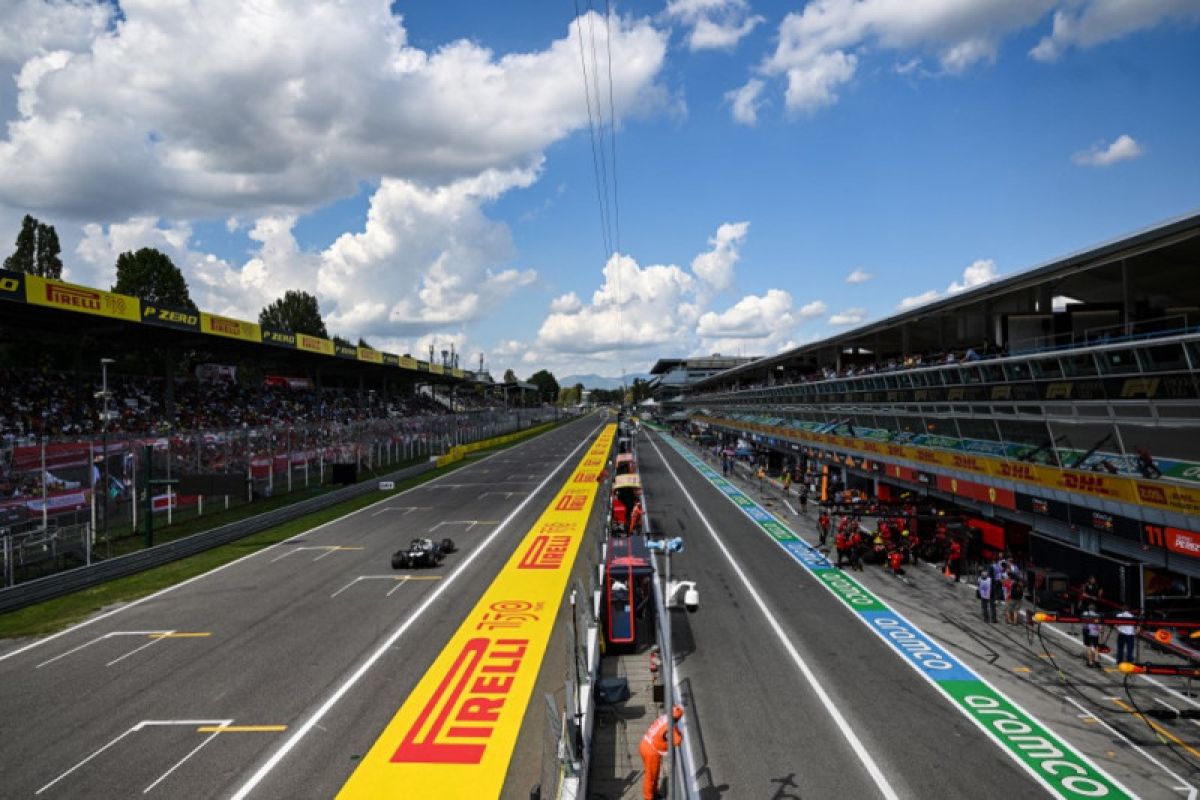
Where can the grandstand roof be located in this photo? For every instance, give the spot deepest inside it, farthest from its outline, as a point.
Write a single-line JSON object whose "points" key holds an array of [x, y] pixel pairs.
{"points": [[39, 309], [716, 361], [1163, 258]]}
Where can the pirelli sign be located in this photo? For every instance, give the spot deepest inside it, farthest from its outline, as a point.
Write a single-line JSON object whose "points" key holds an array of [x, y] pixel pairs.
{"points": [[230, 328], [69, 297], [454, 735]]}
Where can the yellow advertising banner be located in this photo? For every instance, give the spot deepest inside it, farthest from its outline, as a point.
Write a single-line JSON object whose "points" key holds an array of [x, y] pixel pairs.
{"points": [[408, 362], [230, 328], [456, 372], [1106, 487], [454, 735], [69, 297], [436, 369], [370, 356], [314, 344]]}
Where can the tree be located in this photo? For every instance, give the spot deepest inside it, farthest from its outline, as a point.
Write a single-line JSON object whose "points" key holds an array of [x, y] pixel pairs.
{"points": [[297, 312], [547, 385], [342, 341], [152, 276], [364, 343], [49, 265], [37, 250], [640, 390], [568, 396], [510, 376]]}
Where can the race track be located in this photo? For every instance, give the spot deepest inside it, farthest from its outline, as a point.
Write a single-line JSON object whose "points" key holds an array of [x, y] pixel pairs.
{"points": [[274, 675]]}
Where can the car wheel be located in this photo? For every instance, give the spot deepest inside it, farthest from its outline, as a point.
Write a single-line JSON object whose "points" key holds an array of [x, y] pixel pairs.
{"points": [[448, 546], [400, 561]]}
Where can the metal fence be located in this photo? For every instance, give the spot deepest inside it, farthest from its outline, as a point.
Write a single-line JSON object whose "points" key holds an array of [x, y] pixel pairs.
{"points": [[113, 483], [44, 550]]}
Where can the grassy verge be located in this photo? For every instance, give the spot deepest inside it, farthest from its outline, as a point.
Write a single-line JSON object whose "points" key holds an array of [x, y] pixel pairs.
{"points": [[60, 612]]}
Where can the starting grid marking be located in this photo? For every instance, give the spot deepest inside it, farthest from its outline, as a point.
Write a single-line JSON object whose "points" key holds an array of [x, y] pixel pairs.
{"points": [[399, 580], [454, 735], [1056, 765], [328, 549], [153, 636], [470, 523], [211, 727], [406, 509]]}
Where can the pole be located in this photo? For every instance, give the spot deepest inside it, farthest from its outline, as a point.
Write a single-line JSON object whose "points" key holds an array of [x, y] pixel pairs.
{"points": [[94, 474], [148, 454], [104, 362], [45, 497], [170, 496], [668, 676]]}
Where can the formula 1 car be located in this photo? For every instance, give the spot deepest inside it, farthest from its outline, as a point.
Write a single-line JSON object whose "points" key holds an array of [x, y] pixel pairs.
{"points": [[422, 553]]}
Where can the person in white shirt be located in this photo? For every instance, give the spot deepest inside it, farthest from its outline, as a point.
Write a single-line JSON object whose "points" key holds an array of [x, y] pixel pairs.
{"points": [[1126, 636], [1091, 636], [984, 589]]}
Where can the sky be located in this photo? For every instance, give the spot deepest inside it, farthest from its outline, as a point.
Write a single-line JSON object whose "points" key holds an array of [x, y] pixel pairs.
{"points": [[738, 176]]}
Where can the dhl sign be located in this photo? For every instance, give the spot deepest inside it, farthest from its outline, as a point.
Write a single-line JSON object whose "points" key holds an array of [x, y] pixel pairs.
{"points": [[230, 328], [1171, 497], [69, 297], [453, 737]]}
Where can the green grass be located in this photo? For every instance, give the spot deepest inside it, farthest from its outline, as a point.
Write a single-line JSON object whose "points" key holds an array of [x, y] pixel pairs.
{"points": [[53, 615]]}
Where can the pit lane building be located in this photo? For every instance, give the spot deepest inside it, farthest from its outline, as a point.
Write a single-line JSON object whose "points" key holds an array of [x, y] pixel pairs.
{"points": [[1059, 405]]}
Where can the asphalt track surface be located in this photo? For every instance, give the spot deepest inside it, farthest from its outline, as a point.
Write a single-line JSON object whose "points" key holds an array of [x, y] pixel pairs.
{"points": [[759, 728], [241, 679]]}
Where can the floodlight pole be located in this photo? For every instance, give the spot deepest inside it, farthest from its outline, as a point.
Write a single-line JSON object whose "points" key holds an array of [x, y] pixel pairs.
{"points": [[104, 362]]}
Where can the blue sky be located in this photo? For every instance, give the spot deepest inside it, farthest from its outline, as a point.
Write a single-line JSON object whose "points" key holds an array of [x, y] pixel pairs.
{"points": [[427, 170]]}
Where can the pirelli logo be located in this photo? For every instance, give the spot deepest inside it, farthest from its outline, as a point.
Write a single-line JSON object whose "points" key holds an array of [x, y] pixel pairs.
{"points": [[83, 299], [9, 285], [457, 723], [571, 502], [545, 552], [229, 327]]}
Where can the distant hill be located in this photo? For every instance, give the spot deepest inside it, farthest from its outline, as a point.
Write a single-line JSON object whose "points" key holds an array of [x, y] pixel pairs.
{"points": [[601, 382]]}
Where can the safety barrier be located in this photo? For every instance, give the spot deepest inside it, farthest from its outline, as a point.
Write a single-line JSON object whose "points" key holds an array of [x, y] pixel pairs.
{"points": [[41, 589], [460, 451]]}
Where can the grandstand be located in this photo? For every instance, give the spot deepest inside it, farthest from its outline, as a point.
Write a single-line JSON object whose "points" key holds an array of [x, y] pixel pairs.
{"points": [[104, 391], [1062, 403]]}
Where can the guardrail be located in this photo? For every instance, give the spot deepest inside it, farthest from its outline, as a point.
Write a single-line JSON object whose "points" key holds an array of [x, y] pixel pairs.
{"points": [[51, 586]]}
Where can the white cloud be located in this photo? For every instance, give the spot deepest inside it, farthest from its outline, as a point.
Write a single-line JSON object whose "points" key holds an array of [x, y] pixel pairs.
{"points": [[1123, 148], [426, 260], [215, 107], [859, 275], [811, 85], [635, 307], [851, 316], [977, 273], [714, 24], [640, 310], [811, 310], [715, 267], [819, 47], [1087, 23], [919, 299], [745, 100], [751, 317], [568, 303], [40, 34]]}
